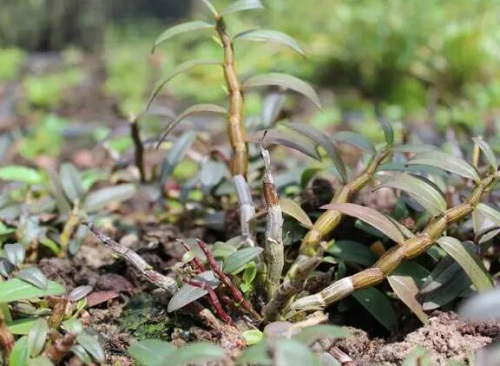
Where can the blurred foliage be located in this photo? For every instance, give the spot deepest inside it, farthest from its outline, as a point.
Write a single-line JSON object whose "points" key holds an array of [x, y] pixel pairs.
{"points": [[10, 63]]}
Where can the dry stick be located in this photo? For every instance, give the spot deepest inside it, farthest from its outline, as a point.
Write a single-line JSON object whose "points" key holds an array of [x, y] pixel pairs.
{"points": [[7, 339], [274, 253], [409, 249], [138, 148], [238, 297], [309, 256], [164, 282], [213, 299], [247, 210], [60, 348], [235, 127]]}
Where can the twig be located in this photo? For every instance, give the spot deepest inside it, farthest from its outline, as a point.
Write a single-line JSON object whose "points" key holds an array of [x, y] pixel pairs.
{"points": [[61, 347], [138, 147], [164, 282]]}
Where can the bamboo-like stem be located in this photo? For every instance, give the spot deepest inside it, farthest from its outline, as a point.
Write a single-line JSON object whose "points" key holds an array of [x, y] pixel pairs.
{"points": [[235, 127], [274, 252], [409, 249], [309, 256], [164, 282]]}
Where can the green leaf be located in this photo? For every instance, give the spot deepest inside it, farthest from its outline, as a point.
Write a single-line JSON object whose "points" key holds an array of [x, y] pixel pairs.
{"points": [[40, 361], [446, 162], [290, 352], [290, 207], [15, 253], [71, 182], [37, 337], [16, 289], [33, 276], [242, 5], [188, 293], [468, 261], [263, 35], [312, 334], [289, 139], [73, 326], [82, 354], [239, 259], [194, 353], [176, 154], [490, 212], [99, 199], [414, 148], [210, 7], [21, 326], [91, 345], [377, 304], [487, 151], [388, 131], [371, 217], [176, 71], [252, 336], [179, 29], [195, 109], [256, 354], [20, 173], [418, 356], [151, 352], [211, 173], [321, 139], [353, 252], [354, 139], [425, 194], [19, 355], [406, 290], [284, 81]]}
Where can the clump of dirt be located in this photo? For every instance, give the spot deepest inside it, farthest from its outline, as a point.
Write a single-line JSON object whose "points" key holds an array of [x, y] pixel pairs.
{"points": [[445, 337]]}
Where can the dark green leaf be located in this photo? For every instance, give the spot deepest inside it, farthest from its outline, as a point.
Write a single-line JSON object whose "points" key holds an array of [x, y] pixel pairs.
{"points": [[370, 216], [354, 139], [321, 139], [377, 304], [239, 259], [176, 71], [446, 162], [99, 199], [414, 270], [6, 268], [388, 131], [406, 290], [425, 194], [16, 289], [37, 337], [151, 352], [263, 35], [20, 173], [71, 182], [187, 293], [176, 154], [33, 276], [468, 261], [353, 252], [287, 138], [179, 29], [290, 207], [194, 353], [19, 355], [285, 81], [242, 5], [195, 109], [312, 334], [15, 253], [91, 345], [290, 352], [487, 151]]}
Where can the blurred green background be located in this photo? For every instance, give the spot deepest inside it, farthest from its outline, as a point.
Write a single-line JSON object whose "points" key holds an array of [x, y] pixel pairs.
{"points": [[425, 61]]}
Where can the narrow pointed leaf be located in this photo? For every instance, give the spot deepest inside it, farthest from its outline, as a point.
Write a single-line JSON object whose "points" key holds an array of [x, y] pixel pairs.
{"points": [[264, 35], [187, 293], [242, 5], [195, 109], [33, 276], [210, 7], [176, 154], [188, 65], [179, 29], [370, 216], [290, 207], [490, 212], [37, 337], [377, 304], [487, 151], [285, 81], [16, 289], [20, 173], [407, 290], [426, 195], [446, 162], [468, 261], [151, 351], [91, 345], [240, 258], [388, 131], [71, 182], [289, 139], [194, 353], [354, 139], [63, 205], [15, 253], [99, 199], [323, 140], [20, 355]]}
